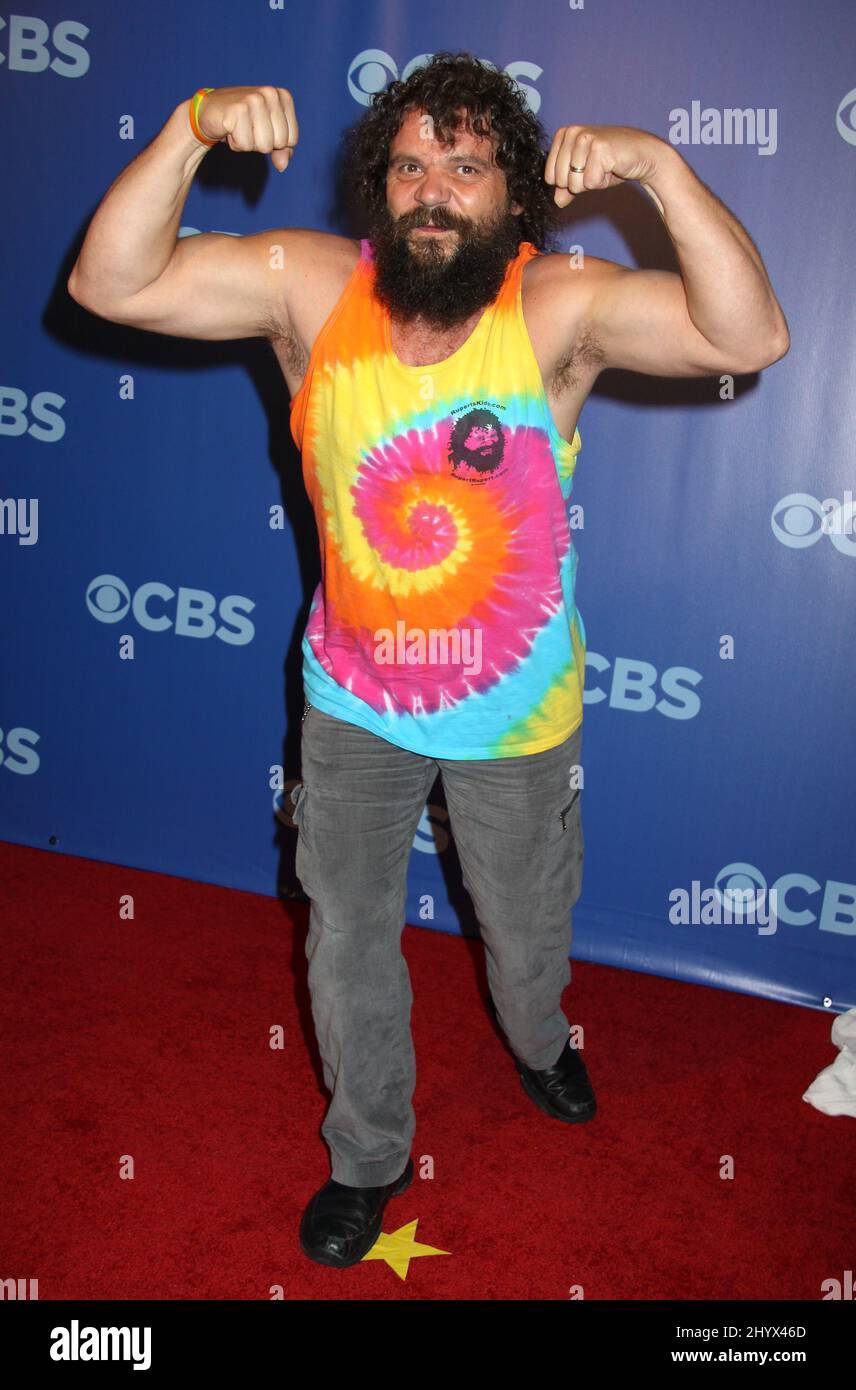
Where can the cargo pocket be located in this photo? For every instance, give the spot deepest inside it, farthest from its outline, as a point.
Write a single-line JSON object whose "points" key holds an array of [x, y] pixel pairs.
{"points": [[564, 814], [296, 797], [303, 858]]}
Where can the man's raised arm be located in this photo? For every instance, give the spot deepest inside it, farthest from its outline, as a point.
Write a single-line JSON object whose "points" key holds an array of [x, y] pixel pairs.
{"points": [[133, 268], [719, 315]]}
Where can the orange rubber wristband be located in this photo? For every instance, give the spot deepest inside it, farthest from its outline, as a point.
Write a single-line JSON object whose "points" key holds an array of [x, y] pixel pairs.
{"points": [[193, 112]]}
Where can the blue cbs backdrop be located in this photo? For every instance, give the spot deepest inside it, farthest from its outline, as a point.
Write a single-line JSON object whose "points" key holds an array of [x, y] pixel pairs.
{"points": [[142, 477]]}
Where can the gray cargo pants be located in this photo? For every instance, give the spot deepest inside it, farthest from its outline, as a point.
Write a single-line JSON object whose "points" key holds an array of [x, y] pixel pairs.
{"points": [[517, 827]]}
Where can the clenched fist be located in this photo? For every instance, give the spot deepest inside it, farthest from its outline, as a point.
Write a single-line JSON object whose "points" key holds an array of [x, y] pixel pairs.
{"points": [[251, 118]]}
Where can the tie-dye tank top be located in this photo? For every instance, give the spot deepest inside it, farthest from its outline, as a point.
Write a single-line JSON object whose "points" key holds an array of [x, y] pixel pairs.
{"points": [[445, 618]]}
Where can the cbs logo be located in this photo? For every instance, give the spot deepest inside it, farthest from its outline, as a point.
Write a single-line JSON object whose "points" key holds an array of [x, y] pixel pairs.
{"points": [[745, 885], [194, 614], [634, 686], [31, 45], [799, 520], [18, 412], [373, 69], [18, 755]]}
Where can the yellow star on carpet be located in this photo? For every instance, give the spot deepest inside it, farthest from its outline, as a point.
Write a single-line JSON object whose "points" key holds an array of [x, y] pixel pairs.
{"points": [[400, 1247]]}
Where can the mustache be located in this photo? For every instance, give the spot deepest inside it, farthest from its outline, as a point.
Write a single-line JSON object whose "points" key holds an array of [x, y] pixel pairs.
{"points": [[435, 219]]}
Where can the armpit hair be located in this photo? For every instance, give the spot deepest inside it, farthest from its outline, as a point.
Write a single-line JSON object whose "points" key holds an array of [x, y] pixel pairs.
{"points": [[287, 344], [584, 352]]}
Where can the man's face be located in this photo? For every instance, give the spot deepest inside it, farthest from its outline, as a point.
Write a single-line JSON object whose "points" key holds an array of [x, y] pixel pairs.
{"points": [[481, 440], [449, 229]]}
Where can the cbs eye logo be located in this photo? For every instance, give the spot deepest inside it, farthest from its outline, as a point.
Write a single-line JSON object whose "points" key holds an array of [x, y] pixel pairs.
{"points": [[800, 520], [373, 69], [108, 599], [740, 888], [845, 117]]}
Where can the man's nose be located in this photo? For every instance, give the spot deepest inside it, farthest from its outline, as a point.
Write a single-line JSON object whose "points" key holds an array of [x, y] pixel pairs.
{"points": [[432, 188]]}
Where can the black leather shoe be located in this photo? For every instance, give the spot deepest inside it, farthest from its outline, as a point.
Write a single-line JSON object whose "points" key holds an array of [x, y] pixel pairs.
{"points": [[563, 1090], [341, 1224]]}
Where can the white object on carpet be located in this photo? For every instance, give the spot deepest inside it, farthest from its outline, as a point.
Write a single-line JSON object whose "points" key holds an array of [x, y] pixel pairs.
{"points": [[834, 1089]]}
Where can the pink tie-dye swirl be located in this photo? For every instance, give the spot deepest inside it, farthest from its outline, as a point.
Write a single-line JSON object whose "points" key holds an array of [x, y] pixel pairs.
{"points": [[439, 549]]}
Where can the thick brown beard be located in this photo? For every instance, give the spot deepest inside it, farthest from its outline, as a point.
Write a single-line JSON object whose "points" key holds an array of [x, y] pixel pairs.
{"points": [[440, 287]]}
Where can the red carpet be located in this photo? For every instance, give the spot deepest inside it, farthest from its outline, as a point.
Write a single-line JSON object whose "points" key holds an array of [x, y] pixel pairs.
{"points": [[150, 1039]]}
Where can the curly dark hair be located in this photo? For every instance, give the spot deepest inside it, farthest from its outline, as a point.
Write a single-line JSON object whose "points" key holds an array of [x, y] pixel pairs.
{"points": [[493, 105]]}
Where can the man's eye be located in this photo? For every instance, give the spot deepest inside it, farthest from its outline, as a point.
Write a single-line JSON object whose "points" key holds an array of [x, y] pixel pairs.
{"points": [[470, 167]]}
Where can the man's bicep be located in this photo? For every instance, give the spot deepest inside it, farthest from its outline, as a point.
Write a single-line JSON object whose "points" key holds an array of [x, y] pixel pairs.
{"points": [[216, 287], [640, 321]]}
